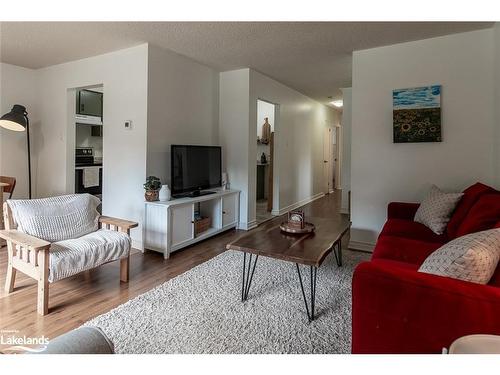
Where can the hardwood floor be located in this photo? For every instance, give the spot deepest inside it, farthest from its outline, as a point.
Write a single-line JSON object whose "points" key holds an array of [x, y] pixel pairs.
{"points": [[75, 300]]}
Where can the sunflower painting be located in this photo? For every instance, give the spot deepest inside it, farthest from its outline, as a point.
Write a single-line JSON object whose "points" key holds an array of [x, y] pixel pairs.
{"points": [[416, 115]]}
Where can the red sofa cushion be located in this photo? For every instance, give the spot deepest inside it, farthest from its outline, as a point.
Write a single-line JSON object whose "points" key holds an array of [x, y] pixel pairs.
{"points": [[411, 229], [398, 310], [403, 249], [470, 197], [482, 216]]}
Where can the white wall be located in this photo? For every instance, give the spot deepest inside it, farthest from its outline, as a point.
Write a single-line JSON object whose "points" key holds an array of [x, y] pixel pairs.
{"points": [[298, 141], [383, 171], [496, 68], [124, 76], [299, 131], [17, 86], [345, 156], [183, 107], [234, 134]]}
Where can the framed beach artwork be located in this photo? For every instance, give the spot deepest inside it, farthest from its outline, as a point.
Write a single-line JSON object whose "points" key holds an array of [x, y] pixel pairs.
{"points": [[416, 115]]}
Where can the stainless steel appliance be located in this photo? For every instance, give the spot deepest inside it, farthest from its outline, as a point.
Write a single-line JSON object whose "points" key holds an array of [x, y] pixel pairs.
{"points": [[84, 162]]}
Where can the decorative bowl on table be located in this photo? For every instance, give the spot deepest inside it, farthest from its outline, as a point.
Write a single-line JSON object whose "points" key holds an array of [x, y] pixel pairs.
{"points": [[296, 223]]}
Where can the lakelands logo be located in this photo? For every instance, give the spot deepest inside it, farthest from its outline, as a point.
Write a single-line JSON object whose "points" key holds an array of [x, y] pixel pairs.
{"points": [[18, 344]]}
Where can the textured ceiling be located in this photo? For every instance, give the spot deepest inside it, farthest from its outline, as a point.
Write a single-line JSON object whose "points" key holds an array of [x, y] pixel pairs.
{"points": [[314, 58]]}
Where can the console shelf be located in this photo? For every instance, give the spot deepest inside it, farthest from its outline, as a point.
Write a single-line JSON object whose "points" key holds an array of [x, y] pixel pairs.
{"points": [[169, 226]]}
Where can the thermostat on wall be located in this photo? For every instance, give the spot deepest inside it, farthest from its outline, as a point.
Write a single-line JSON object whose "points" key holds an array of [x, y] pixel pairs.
{"points": [[128, 124]]}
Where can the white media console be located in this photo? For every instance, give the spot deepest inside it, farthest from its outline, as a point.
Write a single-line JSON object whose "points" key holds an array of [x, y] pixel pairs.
{"points": [[169, 226]]}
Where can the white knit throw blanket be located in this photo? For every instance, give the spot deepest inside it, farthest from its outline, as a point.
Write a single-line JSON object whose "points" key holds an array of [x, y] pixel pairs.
{"points": [[56, 218]]}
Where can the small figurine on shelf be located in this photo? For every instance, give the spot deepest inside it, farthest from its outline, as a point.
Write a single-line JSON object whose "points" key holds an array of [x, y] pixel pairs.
{"points": [[263, 159]]}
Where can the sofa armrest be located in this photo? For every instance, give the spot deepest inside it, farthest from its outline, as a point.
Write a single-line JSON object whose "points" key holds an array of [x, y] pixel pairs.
{"points": [[123, 225], [402, 210], [24, 240], [399, 310]]}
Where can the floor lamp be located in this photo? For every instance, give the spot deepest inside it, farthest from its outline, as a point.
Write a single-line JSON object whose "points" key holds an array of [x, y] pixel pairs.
{"points": [[17, 120]]}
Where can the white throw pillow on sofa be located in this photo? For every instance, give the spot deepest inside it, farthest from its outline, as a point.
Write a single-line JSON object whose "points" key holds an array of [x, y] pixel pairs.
{"points": [[473, 257], [436, 209]]}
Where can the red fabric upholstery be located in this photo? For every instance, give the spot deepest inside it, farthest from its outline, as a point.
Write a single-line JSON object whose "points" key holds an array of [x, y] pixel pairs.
{"points": [[470, 197], [404, 249], [401, 210], [411, 229], [398, 310], [483, 215]]}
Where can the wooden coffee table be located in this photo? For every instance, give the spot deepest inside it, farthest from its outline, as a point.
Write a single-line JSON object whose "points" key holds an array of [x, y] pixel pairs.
{"points": [[302, 249]]}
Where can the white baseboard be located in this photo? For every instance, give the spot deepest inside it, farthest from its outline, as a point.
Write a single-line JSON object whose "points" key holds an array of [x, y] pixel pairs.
{"points": [[293, 206], [247, 226], [363, 246]]}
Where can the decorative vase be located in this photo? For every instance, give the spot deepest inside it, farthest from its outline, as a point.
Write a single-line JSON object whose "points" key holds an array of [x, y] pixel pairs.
{"points": [[151, 195], [164, 193], [266, 132], [225, 182]]}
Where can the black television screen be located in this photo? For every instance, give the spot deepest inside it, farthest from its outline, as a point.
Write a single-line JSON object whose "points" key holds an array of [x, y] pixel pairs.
{"points": [[194, 168]]}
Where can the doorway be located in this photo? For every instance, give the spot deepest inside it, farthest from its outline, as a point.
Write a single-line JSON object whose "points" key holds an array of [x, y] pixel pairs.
{"points": [[331, 164], [266, 118], [88, 126], [328, 164]]}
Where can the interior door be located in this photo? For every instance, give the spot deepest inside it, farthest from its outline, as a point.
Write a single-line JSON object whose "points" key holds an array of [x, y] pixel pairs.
{"points": [[327, 160]]}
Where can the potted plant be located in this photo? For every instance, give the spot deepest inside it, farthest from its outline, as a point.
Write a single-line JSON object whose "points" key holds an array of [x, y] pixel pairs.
{"points": [[152, 187]]}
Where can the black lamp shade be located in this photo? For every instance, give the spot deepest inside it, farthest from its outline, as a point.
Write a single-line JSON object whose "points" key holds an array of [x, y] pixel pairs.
{"points": [[16, 119]]}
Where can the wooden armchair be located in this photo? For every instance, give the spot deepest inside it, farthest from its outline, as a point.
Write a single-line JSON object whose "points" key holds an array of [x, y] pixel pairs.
{"points": [[31, 255], [11, 181]]}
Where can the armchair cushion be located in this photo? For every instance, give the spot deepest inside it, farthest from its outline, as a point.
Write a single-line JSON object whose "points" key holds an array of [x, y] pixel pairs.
{"points": [[471, 196], [405, 250], [412, 230], [56, 218], [482, 216], [70, 257]]}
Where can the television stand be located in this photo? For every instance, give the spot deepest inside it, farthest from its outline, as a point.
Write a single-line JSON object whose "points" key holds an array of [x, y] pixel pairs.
{"points": [[193, 194], [170, 226]]}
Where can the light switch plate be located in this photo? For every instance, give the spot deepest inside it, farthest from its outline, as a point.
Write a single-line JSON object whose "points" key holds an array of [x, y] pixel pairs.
{"points": [[128, 124]]}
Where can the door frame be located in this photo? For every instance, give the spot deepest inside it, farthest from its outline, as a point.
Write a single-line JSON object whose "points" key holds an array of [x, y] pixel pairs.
{"points": [[327, 160], [274, 189]]}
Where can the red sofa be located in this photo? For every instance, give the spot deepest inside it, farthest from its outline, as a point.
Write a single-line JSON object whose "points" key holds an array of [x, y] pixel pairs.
{"points": [[396, 309]]}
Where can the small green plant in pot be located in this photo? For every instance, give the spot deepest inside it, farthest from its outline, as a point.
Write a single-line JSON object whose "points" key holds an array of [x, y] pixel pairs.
{"points": [[152, 187]]}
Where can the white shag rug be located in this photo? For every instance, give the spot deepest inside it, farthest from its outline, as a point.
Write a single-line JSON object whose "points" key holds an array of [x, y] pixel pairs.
{"points": [[201, 311]]}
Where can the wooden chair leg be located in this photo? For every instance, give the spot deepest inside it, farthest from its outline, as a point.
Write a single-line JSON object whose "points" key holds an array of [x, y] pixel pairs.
{"points": [[11, 278], [124, 269], [43, 283], [43, 297]]}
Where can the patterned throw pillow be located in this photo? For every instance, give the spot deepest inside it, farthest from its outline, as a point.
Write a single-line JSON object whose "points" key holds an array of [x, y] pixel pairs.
{"points": [[436, 209], [473, 257]]}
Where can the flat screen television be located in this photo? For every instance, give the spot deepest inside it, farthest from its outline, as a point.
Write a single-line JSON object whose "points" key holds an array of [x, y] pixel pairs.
{"points": [[194, 169]]}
